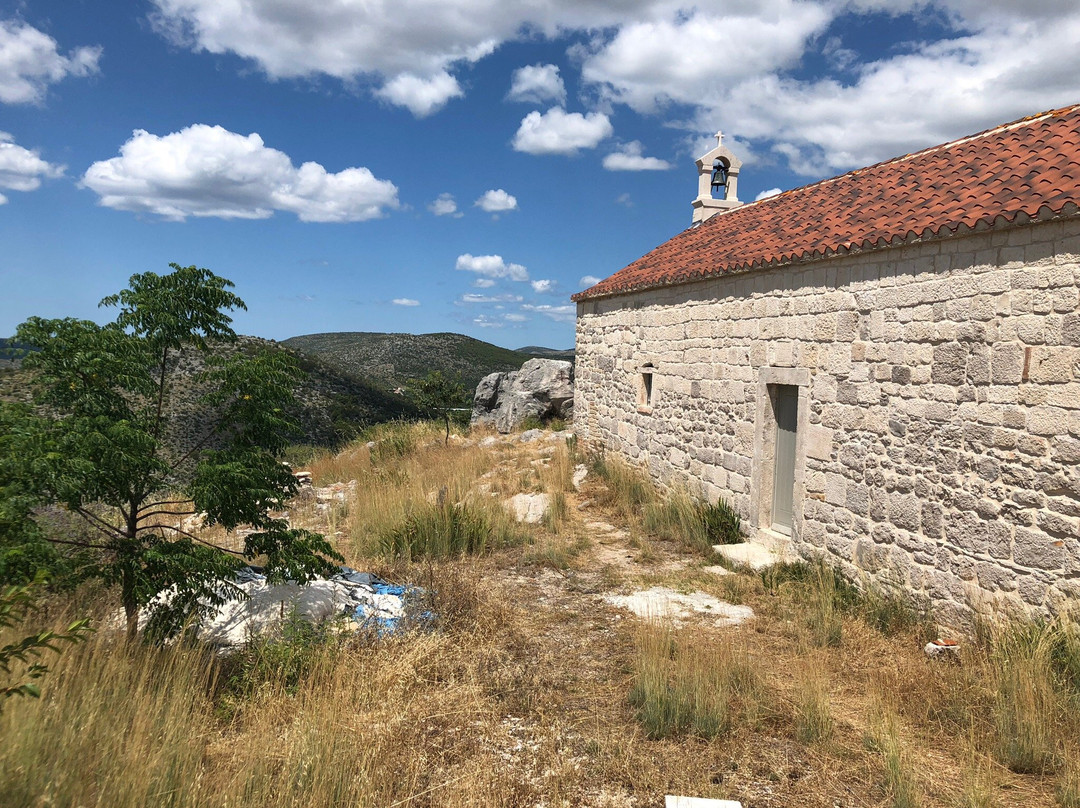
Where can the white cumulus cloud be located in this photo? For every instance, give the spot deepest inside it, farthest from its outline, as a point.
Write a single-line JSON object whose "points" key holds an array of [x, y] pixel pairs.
{"points": [[713, 63], [685, 55], [766, 194], [631, 158], [30, 60], [561, 314], [405, 301], [588, 280], [421, 95], [544, 287], [506, 298], [560, 132], [496, 201], [537, 84], [209, 171], [445, 205], [348, 39], [515, 318], [1012, 65], [730, 64], [491, 266], [22, 169]]}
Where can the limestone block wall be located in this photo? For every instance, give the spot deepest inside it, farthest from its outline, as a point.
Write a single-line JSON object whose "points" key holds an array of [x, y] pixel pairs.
{"points": [[938, 444]]}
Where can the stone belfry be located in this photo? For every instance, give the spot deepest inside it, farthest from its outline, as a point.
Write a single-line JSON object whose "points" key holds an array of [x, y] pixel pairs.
{"points": [[718, 179]]}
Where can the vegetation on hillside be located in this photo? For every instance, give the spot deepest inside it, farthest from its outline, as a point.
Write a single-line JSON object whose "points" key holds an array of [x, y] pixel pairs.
{"points": [[390, 361], [332, 407]]}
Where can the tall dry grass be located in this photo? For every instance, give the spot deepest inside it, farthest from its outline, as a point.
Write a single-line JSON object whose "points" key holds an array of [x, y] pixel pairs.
{"points": [[1032, 668], [676, 515], [885, 738], [812, 705], [690, 684], [364, 724], [415, 497]]}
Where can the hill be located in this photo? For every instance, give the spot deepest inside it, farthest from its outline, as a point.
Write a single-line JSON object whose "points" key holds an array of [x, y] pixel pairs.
{"points": [[392, 360], [333, 406], [547, 353]]}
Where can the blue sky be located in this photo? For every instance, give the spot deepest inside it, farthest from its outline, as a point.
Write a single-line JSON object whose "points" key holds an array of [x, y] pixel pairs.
{"points": [[456, 165]]}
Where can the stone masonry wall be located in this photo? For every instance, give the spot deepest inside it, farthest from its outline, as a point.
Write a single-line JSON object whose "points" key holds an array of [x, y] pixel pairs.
{"points": [[939, 429]]}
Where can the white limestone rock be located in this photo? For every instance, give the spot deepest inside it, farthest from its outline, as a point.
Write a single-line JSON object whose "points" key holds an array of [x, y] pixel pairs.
{"points": [[666, 604], [529, 508], [543, 388]]}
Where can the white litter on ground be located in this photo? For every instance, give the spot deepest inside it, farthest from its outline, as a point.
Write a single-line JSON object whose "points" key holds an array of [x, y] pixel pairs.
{"points": [[667, 604], [359, 599], [671, 801]]}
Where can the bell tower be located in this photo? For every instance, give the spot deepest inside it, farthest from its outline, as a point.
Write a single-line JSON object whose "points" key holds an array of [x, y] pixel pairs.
{"points": [[718, 179]]}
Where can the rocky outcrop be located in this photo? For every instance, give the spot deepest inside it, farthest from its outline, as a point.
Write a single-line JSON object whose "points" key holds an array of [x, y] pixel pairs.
{"points": [[543, 388]]}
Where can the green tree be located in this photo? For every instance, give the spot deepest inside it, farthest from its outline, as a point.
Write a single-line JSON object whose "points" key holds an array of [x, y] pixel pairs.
{"points": [[15, 603], [111, 438], [438, 393]]}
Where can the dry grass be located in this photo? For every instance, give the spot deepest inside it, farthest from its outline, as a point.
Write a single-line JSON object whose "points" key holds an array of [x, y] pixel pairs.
{"points": [[884, 738], [532, 692], [813, 711], [682, 685]]}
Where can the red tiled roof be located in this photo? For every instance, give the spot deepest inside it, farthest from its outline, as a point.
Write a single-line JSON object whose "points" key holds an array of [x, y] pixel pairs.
{"points": [[1028, 169]]}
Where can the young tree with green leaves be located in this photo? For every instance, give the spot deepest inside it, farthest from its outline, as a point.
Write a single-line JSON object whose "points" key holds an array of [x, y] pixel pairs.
{"points": [[108, 437], [29, 652], [439, 393]]}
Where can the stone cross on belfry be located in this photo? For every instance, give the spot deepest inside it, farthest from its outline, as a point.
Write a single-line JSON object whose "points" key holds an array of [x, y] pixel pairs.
{"points": [[719, 138]]}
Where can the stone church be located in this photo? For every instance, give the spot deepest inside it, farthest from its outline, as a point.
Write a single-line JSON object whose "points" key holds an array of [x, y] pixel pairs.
{"points": [[882, 368]]}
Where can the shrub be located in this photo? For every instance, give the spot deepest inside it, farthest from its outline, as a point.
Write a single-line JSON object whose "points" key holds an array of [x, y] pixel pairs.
{"points": [[281, 660], [723, 525]]}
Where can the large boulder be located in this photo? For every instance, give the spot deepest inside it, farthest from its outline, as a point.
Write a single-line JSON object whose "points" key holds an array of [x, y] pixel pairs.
{"points": [[543, 388]]}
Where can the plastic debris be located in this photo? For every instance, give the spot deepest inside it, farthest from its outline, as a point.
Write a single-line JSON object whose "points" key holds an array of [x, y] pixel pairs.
{"points": [[942, 648], [362, 600]]}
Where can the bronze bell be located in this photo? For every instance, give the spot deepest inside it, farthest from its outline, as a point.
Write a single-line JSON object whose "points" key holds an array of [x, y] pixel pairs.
{"points": [[719, 176]]}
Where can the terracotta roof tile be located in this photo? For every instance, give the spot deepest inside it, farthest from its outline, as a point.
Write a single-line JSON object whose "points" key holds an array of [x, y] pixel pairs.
{"points": [[1027, 169]]}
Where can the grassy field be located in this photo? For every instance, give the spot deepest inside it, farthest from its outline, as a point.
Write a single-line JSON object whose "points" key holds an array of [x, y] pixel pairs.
{"points": [[532, 690]]}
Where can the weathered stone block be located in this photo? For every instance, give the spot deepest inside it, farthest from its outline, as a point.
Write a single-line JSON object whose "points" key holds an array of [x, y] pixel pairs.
{"points": [[1036, 550]]}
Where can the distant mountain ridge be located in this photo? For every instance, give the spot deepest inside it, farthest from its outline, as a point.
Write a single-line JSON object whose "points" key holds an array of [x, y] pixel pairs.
{"points": [[390, 361], [548, 353]]}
